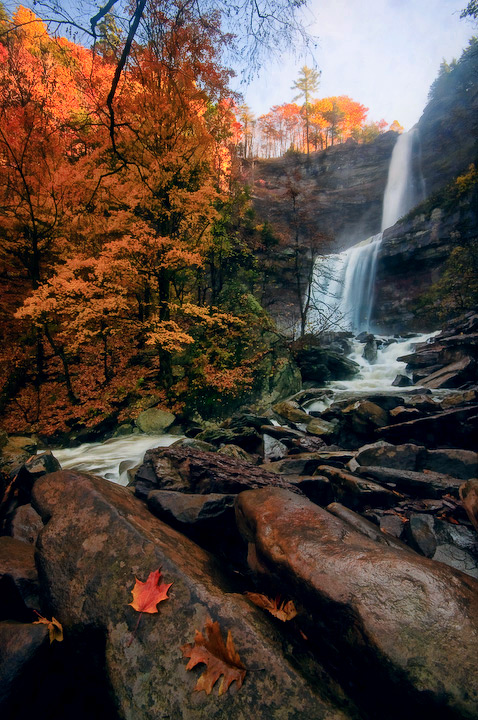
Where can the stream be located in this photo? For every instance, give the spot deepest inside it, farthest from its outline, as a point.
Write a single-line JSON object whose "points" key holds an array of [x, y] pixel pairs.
{"points": [[111, 458]]}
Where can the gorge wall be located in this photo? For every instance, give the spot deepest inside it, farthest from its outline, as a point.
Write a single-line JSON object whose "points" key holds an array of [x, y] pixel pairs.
{"points": [[333, 199]]}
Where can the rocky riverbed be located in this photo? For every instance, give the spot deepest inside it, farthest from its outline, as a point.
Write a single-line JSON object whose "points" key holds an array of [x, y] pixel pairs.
{"points": [[363, 513]]}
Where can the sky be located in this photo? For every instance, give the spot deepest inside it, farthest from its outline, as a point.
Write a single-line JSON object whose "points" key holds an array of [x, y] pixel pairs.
{"points": [[383, 53]]}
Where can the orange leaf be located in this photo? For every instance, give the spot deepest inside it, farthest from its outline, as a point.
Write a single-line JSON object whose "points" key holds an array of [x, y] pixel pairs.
{"points": [[55, 629], [220, 659], [283, 611], [146, 595]]}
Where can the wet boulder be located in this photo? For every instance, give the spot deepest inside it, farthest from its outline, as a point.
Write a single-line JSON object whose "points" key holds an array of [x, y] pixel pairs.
{"points": [[422, 484], [401, 627], [370, 350], [97, 539], [356, 492], [18, 579], [469, 497], [155, 421], [381, 453], [188, 470]]}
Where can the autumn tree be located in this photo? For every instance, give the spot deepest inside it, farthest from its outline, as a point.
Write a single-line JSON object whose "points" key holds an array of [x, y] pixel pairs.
{"points": [[306, 84]]}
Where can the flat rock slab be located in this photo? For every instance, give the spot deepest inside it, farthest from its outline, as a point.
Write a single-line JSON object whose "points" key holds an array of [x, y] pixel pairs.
{"points": [[456, 427], [188, 470], [98, 537], [406, 627], [424, 484], [357, 492]]}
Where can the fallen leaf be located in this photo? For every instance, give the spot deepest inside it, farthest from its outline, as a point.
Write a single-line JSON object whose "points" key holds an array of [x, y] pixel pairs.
{"points": [[220, 659], [146, 595], [55, 629], [283, 611]]}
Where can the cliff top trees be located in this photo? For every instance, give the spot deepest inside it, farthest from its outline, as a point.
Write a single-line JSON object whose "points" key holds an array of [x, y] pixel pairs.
{"points": [[307, 84]]}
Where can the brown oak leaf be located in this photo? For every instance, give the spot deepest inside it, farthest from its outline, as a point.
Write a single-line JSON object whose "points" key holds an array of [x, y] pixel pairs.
{"points": [[220, 659], [282, 610], [146, 595], [55, 629]]}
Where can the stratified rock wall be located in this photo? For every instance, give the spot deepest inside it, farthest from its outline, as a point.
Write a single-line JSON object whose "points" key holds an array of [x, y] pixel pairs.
{"points": [[340, 189]]}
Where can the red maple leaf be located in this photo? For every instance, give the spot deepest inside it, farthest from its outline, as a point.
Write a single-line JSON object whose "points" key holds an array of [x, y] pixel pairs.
{"points": [[146, 595]]}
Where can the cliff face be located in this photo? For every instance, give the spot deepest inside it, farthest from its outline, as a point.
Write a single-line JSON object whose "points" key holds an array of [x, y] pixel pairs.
{"points": [[448, 128], [412, 258], [332, 200], [339, 190]]}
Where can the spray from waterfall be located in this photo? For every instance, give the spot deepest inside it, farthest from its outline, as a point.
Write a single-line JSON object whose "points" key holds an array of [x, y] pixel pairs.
{"points": [[344, 283]]}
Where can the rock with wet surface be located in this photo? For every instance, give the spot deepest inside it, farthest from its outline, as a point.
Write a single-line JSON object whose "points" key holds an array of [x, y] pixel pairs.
{"points": [[383, 454], [188, 470], [18, 574], [422, 484], [402, 628], [469, 497], [98, 537], [356, 492]]}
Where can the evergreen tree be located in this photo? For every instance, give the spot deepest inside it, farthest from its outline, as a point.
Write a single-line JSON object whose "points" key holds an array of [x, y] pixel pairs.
{"points": [[307, 84]]}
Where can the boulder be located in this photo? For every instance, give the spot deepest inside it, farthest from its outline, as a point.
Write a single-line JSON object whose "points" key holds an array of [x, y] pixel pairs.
{"points": [[25, 524], [307, 463], [422, 484], [370, 350], [457, 546], [273, 449], [155, 421], [247, 438], [24, 654], [238, 453], [453, 375], [321, 428], [401, 627], [365, 527], [188, 470], [18, 578], [15, 451], [355, 492], [203, 518], [320, 365], [420, 534], [469, 497], [384, 454], [292, 412], [456, 427], [403, 414], [364, 416], [98, 538], [452, 461], [18, 491], [402, 381]]}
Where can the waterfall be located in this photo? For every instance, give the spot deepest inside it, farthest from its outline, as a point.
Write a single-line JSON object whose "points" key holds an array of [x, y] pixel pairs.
{"points": [[343, 284], [404, 187]]}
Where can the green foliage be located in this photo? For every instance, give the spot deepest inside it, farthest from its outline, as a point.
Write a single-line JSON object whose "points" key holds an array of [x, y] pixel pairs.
{"points": [[456, 291], [471, 10]]}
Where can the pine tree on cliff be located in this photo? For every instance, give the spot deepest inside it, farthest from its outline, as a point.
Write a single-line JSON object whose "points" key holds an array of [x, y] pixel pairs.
{"points": [[307, 84]]}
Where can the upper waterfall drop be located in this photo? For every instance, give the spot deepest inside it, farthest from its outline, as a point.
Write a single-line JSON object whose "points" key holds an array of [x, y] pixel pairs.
{"points": [[344, 282], [403, 191]]}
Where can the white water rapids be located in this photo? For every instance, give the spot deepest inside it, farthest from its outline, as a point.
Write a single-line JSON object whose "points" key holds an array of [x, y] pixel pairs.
{"points": [[377, 377], [112, 458]]}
